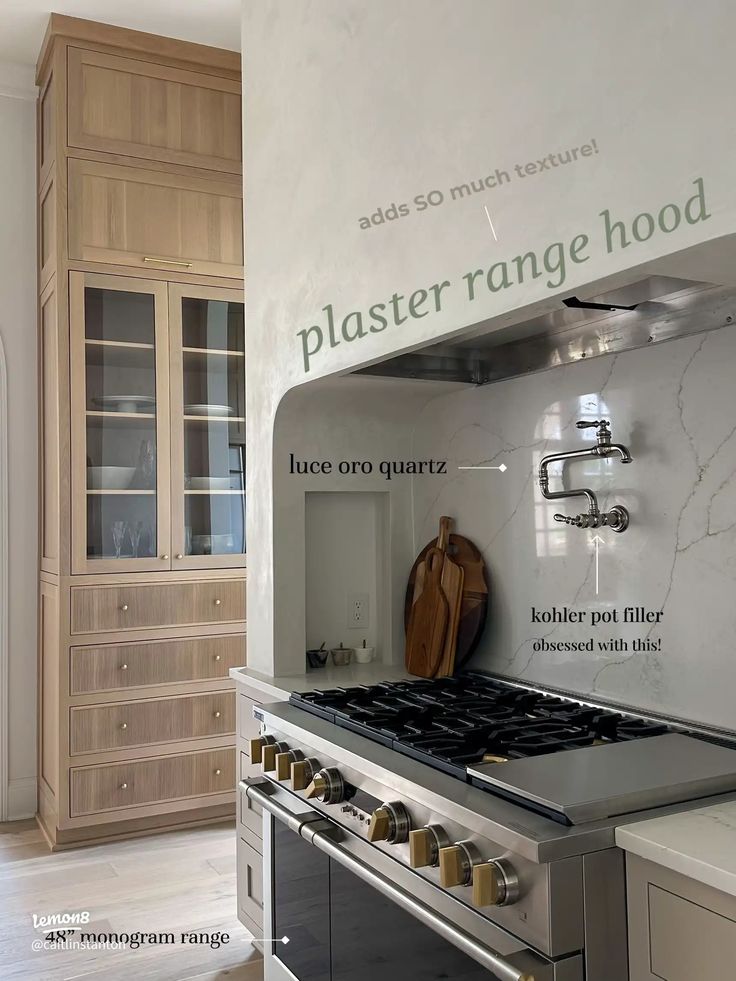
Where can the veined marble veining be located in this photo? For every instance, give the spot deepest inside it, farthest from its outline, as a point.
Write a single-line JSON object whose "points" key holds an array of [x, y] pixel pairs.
{"points": [[700, 844], [674, 406]]}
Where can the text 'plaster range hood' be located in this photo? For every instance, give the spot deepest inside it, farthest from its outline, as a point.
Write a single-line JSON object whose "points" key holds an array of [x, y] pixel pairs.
{"points": [[648, 311]]}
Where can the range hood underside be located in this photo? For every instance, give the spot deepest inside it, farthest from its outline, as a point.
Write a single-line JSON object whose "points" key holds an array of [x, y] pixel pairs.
{"points": [[664, 308]]}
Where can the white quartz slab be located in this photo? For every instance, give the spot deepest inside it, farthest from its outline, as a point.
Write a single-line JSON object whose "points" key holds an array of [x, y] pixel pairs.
{"points": [[328, 677], [700, 844]]}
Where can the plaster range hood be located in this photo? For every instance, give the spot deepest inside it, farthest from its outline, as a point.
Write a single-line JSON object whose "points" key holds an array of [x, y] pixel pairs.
{"points": [[648, 311]]}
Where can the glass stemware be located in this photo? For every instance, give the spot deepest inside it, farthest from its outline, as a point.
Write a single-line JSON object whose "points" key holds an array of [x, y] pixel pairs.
{"points": [[135, 530], [118, 529]]}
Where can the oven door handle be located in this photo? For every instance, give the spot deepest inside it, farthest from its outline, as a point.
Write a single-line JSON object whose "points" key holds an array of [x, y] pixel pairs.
{"points": [[311, 826]]}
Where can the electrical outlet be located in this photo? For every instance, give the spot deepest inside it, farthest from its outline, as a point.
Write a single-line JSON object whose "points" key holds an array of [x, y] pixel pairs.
{"points": [[358, 610]]}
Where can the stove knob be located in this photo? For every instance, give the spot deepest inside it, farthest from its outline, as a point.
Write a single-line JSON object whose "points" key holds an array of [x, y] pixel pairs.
{"points": [[456, 864], [327, 785], [269, 754], [256, 747], [284, 761], [495, 883], [302, 772], [425, 844], [390, 822]]}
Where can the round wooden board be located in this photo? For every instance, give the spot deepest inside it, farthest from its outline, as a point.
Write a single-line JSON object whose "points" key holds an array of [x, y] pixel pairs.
{"points": [[474, 605]]}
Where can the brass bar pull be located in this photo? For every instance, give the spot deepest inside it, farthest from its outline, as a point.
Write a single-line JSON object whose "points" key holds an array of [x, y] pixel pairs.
{"points": [[168, 262]]}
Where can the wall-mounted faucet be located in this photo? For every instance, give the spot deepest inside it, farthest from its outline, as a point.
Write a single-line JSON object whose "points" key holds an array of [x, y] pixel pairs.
{"points": [[617, 519]]}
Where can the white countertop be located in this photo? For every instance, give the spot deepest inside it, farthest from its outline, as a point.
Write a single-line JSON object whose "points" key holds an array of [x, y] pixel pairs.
{"points": [[328, 677], [700, 844]]}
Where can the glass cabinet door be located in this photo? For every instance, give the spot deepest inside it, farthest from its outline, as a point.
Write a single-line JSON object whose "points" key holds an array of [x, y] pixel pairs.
{"points": [[120, 419], [207, 348]]}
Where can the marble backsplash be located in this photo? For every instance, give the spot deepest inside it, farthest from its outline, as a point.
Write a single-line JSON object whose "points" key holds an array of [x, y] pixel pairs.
{"points": [[674, 406]]}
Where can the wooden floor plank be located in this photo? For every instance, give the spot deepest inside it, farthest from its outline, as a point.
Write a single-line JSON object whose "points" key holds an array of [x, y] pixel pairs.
{"points": [[174, 882]]}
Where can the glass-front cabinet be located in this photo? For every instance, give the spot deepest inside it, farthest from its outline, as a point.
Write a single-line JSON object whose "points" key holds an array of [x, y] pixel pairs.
{"points": [[158, 425]]}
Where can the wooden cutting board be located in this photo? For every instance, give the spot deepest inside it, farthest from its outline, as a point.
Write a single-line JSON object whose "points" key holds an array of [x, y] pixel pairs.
{"points": [[453, 577], [474, 603], [428, 618]]}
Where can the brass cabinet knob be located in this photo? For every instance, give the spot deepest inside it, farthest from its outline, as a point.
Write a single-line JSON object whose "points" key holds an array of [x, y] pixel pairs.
{"points": [[302, 772], [123, 786], [318, 786], [424, 846], [218, 772], [456, 866], [164, 558], [179, 555], [380, 826], [494, 884], [217, 715], [123, 667], [218, 602], [124, 608], [268, 756], [217, 657], [123, 725]]}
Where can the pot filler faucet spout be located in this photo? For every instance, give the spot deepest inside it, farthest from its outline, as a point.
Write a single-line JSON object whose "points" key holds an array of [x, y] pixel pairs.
{"points": [[617, 519]]}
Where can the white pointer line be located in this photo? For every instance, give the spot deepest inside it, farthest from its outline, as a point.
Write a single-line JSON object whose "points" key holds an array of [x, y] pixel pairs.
{"points": [[490, 221], [503, 468]]}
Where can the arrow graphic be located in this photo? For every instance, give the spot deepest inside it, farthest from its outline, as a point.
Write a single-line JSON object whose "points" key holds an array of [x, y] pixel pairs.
{"points": [[597, 541], [503, 468]]}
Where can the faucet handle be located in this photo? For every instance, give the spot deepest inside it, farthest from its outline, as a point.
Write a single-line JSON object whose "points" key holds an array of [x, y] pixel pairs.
{"points": [[594, 424]]}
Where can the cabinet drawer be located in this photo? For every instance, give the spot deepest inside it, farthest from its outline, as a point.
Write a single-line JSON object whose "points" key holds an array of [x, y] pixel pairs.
{"points": [[119, 785], [139, 109], [121, 607], [96, 728], [251, 814], [155, 220], [113, 667], [250, 883], [688, 941]]}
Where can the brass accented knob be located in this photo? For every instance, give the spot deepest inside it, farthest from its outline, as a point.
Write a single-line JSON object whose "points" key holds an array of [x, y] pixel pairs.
{"points": [[284, 761], [218, 772], [268, 755], [255, 747], [123, 725], [302, 772], [380, 827], [456, 865], [494, 884], [123, 667], [164, 558], [424, 846], [179, 555], [318, 786], [217, 714], [217, 657], [124, 608], [123, 786], [218, 602]]}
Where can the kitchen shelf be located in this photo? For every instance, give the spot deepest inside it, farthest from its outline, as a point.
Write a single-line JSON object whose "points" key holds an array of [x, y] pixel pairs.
{"points": [[98, 418], [223, 352], [213, 418], [210, 493], [133, 345], [95, 490]]}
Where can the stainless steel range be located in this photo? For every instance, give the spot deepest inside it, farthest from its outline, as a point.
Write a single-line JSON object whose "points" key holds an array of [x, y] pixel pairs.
{"points": [[459, 828]]}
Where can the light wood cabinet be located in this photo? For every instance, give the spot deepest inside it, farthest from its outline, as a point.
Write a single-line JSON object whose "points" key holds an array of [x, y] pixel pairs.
{"points": [[142, 455], [679, 929], [116, 667], [139, 109], [155, 220]]}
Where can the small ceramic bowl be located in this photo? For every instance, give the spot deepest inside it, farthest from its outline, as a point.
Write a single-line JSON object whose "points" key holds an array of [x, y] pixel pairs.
{"points": [[341, 656], [317, 658]]}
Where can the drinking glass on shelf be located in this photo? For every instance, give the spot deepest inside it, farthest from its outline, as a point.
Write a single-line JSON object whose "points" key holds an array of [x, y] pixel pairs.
{"points": [[118, 529], [135, 530], [187, 539]]}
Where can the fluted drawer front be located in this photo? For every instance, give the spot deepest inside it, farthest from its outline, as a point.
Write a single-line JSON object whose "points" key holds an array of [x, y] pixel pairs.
{"points": [[154, 662], [96, 728], [123, 607], [119, 785]]}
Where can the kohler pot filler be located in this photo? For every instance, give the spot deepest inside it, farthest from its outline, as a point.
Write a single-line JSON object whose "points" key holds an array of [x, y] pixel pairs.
{"points": [[617, 518]]}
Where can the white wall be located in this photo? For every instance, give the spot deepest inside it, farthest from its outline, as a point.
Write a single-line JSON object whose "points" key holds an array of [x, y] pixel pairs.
{"points": [[18, 331], [674, 405], [350, 104]]}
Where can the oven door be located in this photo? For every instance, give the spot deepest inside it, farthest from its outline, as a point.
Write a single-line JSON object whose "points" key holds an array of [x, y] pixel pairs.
{"points": [[351, 912]]}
